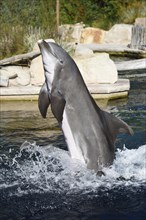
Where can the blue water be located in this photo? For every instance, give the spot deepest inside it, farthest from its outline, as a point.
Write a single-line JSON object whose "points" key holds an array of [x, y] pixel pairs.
{"points": [[38, 179]]}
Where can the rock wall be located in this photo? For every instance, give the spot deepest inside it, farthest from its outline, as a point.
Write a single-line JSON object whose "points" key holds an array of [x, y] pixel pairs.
{"points": [[119, 34], [37, 72], [70, 33], [96, 68], [140, 22], [15, 76], [92, 35]]}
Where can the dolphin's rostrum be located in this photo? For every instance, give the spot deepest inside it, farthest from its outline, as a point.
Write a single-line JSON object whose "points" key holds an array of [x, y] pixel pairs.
{"points": [[89, 132]]}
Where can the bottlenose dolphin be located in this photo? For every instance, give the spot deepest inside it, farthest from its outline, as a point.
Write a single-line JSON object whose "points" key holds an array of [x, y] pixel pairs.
{"points": [[89, 132]]}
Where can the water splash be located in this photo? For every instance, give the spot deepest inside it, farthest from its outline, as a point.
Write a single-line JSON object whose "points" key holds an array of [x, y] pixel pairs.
{"points": [[39, 169], [130, 164]]}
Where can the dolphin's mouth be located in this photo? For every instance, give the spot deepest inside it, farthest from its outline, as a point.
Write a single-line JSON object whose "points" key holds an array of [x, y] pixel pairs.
{"points": [[44, 45], [40, 41]]}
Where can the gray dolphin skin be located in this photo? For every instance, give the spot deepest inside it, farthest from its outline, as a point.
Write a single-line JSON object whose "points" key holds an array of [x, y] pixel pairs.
{"points": [[89, 132]]}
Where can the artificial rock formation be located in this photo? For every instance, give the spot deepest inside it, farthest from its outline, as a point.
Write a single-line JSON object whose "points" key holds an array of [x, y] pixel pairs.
{"points": [[14, 76], [92, 35], [98, 68], [119, 34]]}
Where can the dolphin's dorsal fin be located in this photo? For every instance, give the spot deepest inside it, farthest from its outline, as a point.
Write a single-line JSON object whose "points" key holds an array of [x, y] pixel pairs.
{"points": [[115, 125], [111, 124], [44, 100]]}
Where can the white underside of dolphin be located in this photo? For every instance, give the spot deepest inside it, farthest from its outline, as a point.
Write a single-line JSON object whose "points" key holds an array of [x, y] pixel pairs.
{"points": [[75, 152]]}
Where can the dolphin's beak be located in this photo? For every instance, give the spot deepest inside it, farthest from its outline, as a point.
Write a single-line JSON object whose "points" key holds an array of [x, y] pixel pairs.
{"points": [[43, 45], [48, 58], [40, 41]]}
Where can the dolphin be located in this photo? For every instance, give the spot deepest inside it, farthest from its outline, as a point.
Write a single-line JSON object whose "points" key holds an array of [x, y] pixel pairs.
{"points": [[89, 132]]}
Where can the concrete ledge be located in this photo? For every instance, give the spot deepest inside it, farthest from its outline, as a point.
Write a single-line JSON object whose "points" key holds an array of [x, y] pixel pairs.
{"points": [[117, 50], [19, 90], [110, 96], [18, 98], [99, 91], [120, 86], [138, 64]]}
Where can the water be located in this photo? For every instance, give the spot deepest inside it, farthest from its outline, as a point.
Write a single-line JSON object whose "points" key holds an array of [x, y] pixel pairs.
{"points": [[38, 179]]}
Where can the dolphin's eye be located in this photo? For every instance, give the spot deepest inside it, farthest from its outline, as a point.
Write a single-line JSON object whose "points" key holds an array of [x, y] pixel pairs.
{"points": [[61, 61]]}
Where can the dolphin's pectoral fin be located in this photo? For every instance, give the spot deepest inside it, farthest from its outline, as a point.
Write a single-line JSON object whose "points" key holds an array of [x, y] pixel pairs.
{"points": [[44, 100], [116, 125], [57, 105]]}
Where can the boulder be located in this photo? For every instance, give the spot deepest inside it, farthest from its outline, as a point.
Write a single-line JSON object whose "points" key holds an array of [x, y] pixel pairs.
{"points": [[119, 34], [92, 35], [76, 34], [36, 67], [140, 22], [23, 78], [9, 71], [13, 83], [98, 68], [4, 81], [81, 50], [17, 75], [37, 71], [70, 33]]}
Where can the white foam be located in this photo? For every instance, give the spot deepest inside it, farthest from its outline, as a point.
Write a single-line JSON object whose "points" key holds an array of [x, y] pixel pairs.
{"points": [[49, 168], [129, 164]]}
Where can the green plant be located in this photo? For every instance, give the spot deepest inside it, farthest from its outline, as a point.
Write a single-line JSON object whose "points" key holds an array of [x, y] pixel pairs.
{"points": [[12, 41], [22, 23], [136, 9]]}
